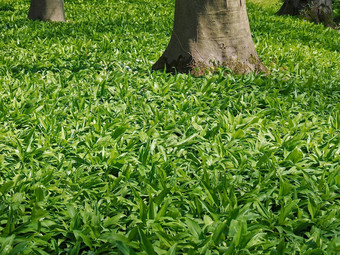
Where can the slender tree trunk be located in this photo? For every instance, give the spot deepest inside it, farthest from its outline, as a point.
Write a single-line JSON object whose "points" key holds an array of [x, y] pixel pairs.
{"points": [[210, 33], [318, 11], [48, 10]]}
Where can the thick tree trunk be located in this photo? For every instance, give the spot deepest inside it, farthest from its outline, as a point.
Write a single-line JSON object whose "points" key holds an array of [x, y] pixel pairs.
{"points": [[210, 33], [318, 11], [48, 10]]}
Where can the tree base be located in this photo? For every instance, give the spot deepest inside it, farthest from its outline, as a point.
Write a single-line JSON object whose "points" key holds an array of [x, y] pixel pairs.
{"points": [[317, 11], [47, 10], [198, 68], [209, 34]]}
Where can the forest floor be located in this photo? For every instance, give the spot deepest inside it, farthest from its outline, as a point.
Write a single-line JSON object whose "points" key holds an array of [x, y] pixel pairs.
{"points": [[100, 155]]}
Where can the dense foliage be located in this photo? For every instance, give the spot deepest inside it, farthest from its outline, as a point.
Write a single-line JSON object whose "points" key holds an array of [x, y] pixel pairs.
{"points": [[98, 155]]}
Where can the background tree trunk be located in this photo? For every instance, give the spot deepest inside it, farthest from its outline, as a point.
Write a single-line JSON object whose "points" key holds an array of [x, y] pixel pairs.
{"points": [[318, 11], [48, 10], [210, 33]]}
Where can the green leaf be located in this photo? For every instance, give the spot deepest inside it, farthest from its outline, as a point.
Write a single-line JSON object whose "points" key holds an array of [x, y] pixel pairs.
{"points": [[114, 237], [172, 250], [76, 248], [163, 210], [114, 220], [86, 239], [6, 186], [39, 194], [238, 134], [119, 131], [124, 248], [221, 227], [311, 207], [286, 209], [146, 243], [160, 197], [237, 230], [20, 247], [231, 249], [194, 228], [6, 244], [281, 247], [295, 156]]}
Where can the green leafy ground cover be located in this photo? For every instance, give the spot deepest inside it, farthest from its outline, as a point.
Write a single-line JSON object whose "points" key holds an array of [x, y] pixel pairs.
{"points": [[98, 155]]}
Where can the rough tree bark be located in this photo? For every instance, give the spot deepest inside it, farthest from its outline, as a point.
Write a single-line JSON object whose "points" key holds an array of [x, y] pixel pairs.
{"points": [[318, 11], [48, 10], [210, 33]]}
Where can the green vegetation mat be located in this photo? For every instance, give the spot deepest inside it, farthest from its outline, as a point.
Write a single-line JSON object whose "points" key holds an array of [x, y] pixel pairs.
{"points": [[99, 155]]}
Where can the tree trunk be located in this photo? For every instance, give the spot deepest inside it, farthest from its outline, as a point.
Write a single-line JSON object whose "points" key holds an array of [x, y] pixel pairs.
{"points": [[48, 10], [208, 34], [318, 11]]}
